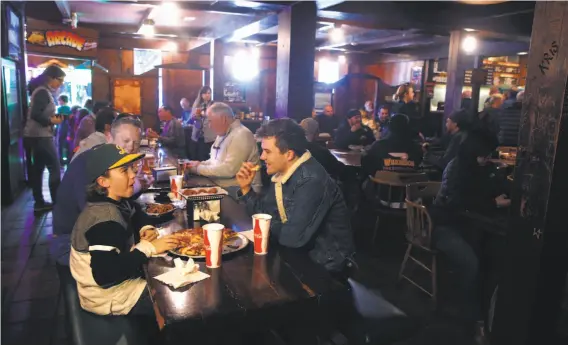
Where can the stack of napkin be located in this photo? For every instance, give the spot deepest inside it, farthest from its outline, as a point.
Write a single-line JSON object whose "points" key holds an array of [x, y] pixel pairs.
{"points": [[184, 273], [208, 211]]}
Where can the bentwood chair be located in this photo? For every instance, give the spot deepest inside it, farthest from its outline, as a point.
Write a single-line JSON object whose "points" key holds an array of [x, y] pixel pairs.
{"points": [[389, 189], [419, 232]]}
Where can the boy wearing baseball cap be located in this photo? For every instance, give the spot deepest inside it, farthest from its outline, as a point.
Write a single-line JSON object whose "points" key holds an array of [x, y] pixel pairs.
{"points": [[105, 260]]}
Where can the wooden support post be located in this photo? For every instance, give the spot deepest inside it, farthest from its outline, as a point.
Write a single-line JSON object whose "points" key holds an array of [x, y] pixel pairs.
{"points": [[295, 60], [458, 63], [217, 70], [536, 257]]}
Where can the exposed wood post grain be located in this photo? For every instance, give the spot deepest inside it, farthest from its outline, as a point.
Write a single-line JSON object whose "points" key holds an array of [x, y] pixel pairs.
{"points": [[536, 257], [295, 61]]}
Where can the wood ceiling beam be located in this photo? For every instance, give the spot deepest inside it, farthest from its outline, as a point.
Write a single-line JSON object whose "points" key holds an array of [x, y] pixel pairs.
{"points": [[144, 17], [391, 15], [64, 8], [250, 8], [235, 29], [485, 48]]}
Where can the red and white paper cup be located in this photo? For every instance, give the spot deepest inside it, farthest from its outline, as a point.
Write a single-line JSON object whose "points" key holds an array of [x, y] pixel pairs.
{"points": [[261, 229], [176, 184], [213, 238]]}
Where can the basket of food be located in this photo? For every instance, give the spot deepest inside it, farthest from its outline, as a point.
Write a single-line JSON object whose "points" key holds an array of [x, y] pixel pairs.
{"points": [[192, 244], [203, 193], [159, 210]]}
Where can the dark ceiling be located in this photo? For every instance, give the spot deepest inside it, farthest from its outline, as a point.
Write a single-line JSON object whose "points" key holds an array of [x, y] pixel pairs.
{"points": [[389, 28]]}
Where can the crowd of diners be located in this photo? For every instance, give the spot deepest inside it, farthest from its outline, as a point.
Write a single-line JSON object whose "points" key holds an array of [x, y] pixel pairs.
{"points": [[101, 233]]}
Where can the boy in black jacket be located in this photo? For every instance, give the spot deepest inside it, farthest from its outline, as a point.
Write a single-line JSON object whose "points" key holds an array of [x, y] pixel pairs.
{"points": [[105, 260]]}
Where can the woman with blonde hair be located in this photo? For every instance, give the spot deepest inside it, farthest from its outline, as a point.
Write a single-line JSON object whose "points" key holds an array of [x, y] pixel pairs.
{"points": [[406, 105], [202, 136]]}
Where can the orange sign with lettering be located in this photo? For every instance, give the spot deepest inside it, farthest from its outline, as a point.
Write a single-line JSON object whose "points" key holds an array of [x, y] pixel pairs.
{"points": [[53, 38]]}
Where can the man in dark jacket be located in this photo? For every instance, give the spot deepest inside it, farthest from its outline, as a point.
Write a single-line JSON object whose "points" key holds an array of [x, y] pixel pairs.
{"points": [[397, 152], [465, 186], [353, 132], [307, 207], [456, 126], [328, 122], [384, 121], [334, 168], [509, 121]]}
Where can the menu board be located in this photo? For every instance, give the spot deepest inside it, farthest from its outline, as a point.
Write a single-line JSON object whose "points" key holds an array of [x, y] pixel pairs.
{"points": [[488, 79]]}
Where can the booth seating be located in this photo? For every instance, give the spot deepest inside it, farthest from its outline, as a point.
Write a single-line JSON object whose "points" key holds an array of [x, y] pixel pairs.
{"points": [[84, 328]]}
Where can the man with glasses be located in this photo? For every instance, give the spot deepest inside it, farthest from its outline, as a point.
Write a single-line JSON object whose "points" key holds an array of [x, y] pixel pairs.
{"points": [[234, 145], [71, 197]]}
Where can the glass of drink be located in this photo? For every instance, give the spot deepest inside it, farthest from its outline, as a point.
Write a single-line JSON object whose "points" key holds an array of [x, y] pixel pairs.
{"points": [[261, 226], [213, 236], [176, 184]]}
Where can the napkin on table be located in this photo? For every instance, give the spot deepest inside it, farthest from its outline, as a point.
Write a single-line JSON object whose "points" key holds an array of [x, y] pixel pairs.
{"points": [[184, 273], [209, 213]]}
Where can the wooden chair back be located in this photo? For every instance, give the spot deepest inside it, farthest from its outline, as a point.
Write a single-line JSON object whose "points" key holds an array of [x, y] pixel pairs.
{"points": [[418, 220]]}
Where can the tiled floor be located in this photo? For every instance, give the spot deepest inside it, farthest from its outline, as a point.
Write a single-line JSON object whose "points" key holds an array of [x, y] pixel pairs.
{"points": [[32, 312]]}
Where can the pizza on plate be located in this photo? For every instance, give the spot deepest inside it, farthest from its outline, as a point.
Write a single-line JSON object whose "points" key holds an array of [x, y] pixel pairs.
{"points": [[192, 243]]}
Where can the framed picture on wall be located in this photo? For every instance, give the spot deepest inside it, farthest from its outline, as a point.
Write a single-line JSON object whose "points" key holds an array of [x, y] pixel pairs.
{"points": [[13, 29], [126, 96]]}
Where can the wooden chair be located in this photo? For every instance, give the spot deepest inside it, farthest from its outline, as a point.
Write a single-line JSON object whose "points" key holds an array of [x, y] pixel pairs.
{"points": [[393, 205], [419, 231]]}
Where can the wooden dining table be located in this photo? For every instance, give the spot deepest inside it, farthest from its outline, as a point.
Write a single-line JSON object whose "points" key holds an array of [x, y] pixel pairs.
{"points": [[249, 293], [348, 157]]}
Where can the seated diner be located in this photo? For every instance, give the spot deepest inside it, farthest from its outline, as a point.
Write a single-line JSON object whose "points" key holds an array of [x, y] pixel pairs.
{"points": [[307, 207], [234, 145], [106, 255], [353, 132]]}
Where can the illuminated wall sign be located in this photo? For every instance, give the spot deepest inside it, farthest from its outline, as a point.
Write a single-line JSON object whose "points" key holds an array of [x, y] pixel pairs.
{"points": [[53, 38]]}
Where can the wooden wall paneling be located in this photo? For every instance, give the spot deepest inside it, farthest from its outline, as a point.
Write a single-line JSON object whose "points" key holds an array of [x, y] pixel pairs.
{"points": [[178, 84], [150, 102], [127, 62], [101, 86]]}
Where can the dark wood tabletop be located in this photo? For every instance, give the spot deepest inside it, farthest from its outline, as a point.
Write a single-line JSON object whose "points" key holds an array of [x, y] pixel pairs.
{"points": [[348, 157], [247, 293]]}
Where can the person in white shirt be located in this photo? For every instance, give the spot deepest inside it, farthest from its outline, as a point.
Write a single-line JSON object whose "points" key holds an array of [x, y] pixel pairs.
{"points": [[234, 145]]}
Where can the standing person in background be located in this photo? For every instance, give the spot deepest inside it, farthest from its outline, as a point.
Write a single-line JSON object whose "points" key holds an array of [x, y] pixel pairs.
{"points": [[186, 112], [368, 118], [202, 136], [103, 123], [407, 106], [38, 133], [88, 104], [328, 123], [87, 124], [173, 136], [71, 127], [63, 128]]}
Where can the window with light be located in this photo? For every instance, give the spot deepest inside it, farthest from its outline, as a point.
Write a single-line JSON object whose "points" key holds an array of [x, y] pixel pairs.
{"points": [[328, 71]]}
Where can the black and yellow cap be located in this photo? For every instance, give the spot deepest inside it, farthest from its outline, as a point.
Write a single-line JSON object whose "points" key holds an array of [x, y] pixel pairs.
{"points": [[108, 156]]}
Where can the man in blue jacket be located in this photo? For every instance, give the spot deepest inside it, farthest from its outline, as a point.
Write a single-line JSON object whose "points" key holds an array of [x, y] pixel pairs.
{"points": [[307, 207]]}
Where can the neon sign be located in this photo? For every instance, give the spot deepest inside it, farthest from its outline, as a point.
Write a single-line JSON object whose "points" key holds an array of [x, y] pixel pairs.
{"points": [[54, 38]]}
